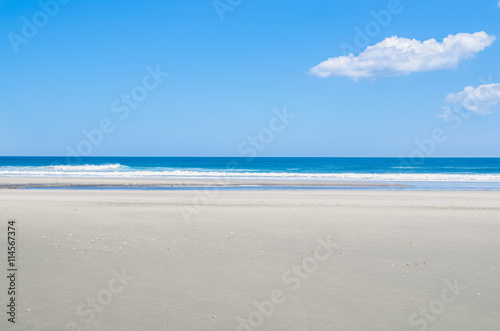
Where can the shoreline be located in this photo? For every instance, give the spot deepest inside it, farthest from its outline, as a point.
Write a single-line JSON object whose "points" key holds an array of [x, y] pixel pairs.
{"points": [[234, 184], [74, 182]]}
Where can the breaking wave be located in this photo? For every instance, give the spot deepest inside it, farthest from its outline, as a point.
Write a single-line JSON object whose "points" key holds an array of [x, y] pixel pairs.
{"points": [[119, 171]]}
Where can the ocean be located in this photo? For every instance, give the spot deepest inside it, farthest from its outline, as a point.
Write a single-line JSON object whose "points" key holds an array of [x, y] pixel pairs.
{"points": [[428, 173]]}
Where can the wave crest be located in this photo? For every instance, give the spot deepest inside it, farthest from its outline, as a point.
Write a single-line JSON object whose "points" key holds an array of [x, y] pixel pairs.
{"points": [[87, 167]]}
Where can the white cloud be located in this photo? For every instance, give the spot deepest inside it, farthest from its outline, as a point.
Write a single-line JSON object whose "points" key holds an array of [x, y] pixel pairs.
{"points": [[476, 99], [498, 3], [401, 56]]}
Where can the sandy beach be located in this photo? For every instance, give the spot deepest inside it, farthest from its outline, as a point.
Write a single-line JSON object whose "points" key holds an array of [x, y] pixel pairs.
{"points": [[254, 260]]}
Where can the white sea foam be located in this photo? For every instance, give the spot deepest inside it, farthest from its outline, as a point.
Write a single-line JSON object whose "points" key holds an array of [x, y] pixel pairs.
{"points": [[86, 167], [119, 171]]}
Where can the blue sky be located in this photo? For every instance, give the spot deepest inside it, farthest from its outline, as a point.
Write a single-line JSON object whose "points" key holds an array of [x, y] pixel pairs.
{"points": [[225, 77]]}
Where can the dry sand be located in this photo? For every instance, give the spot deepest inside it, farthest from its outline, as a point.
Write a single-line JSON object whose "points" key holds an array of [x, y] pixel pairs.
{"points": [[132, 260]]}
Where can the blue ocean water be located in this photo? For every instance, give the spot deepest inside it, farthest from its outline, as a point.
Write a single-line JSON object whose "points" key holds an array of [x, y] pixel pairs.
{"points": [[424, 173], [476, 172]]}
